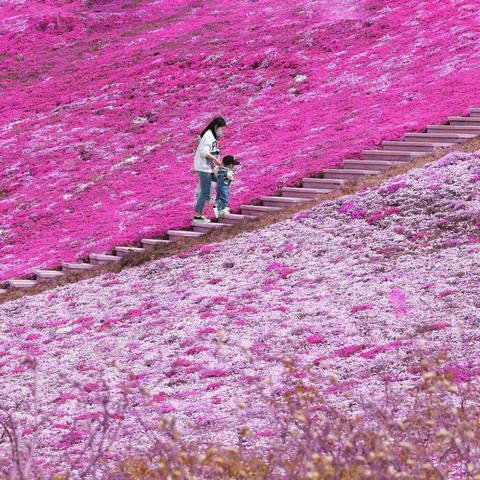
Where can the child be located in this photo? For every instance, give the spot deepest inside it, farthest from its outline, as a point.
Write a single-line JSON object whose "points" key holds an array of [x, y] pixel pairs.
{"points": [[224, 177]]}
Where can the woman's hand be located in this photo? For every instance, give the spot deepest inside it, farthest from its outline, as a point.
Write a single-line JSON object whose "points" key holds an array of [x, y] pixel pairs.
{"points": [[215, 160]]}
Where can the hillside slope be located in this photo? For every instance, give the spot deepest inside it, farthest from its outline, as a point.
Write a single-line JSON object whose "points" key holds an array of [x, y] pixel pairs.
{"points": [[348, 287], [102, 100]]}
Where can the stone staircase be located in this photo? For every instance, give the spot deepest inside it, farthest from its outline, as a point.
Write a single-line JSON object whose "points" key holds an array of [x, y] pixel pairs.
{"points": [[414, 145]]}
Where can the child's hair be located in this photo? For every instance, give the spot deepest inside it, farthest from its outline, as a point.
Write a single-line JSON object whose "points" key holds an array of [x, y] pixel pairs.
{"points": [[216, 122], [230, 160]]}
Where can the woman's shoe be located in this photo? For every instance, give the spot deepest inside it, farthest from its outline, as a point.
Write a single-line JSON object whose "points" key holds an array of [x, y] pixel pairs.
{"points": [[201, 219], [224, 212]]}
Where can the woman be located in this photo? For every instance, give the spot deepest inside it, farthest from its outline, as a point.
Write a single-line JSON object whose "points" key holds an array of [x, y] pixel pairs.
{"points": [[207, 157]]}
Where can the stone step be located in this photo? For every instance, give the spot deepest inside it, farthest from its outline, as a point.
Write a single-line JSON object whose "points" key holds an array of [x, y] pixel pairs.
{"points": [[438, 137], [122, 251], [235, 219], [327, 183], [454, 129], [464, 121], [414, 146], [103, 258], [258, 210], [21, 283], [182, 234], [204, 227], [307, 193], [284, 202], [48, 274], [150, 243], [369, 164], [348, 174], [391, 155], [3, 291], [74, 267], [475, 112]]}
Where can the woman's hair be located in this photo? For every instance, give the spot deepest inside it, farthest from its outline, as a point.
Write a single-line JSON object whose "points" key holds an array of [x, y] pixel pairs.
{"points": [[216, 122]]}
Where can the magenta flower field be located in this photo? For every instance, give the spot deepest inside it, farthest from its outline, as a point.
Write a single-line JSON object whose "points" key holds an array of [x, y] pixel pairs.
{"points": [[102, 102], [348, 287]]}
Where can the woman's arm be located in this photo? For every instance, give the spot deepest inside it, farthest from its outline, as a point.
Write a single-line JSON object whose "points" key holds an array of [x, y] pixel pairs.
{"points": [[208, 141], [213, 159]]}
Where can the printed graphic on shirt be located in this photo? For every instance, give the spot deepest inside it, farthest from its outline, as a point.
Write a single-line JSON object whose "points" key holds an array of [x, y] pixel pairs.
{"points": [[215, 150]]}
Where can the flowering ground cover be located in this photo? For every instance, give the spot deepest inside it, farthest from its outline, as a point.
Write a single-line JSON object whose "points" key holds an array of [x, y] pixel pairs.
{"points": [[102, 100], [347, 288]]}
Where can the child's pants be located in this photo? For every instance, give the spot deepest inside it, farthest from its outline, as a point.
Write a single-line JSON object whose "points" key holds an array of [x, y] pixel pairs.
{"points": [[223, 190]]}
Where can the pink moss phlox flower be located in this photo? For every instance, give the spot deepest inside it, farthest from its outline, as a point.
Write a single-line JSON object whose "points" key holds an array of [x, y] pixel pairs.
{"points": [[346, 207], [380, 349], [195, 350], [394, 187], [361, 308], [381, 214], [398, 299], [266, 433], [91, 387], [301, 216], [213, 386], [283, 270], [439, 325], [160, 397], [349, 350], [206, 331], [460, 373], [341, 387], [315, 339], [181, 362], [166, 408], [73, 437], [214, 373], [447, 292], [289, 247], [207, 249], [64, 397]]}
